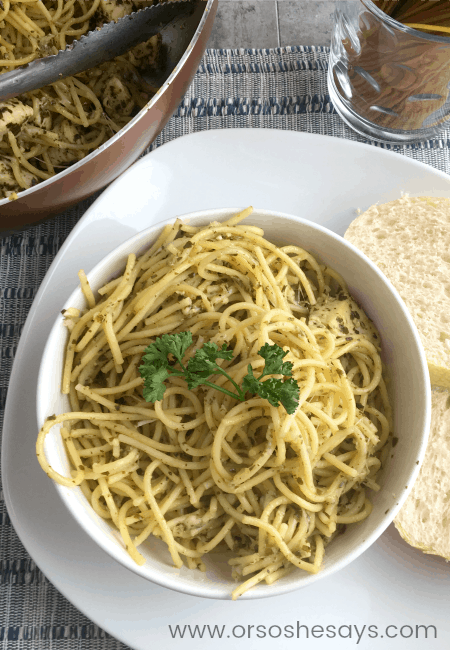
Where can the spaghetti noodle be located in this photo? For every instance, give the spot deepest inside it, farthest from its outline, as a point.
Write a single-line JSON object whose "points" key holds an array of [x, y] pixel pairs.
{"points": [[199, 469], [427, 15], [46, 130]]}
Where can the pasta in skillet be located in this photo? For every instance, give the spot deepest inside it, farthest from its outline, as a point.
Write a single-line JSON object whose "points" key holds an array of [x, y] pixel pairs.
{"points": [[44, 131]]}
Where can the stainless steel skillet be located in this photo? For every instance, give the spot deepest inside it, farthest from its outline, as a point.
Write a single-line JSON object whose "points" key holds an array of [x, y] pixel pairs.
{"points": [[184, 41]]}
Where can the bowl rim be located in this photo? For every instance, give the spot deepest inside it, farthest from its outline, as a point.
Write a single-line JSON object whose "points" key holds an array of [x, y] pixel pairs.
{"points": [[117, 136], [165, 579]]}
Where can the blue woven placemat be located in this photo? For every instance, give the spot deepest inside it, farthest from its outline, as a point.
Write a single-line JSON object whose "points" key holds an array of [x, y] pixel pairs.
{"points": [[283, 88]]}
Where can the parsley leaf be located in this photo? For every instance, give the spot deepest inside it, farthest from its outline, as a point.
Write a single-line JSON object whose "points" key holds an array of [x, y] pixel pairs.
{"points": [[154, 386], [273, 355], [157, 367], [288, 394], [269, 390], [205, 358], [176, 344], [250, 384], [156, 354], [274, 390]]}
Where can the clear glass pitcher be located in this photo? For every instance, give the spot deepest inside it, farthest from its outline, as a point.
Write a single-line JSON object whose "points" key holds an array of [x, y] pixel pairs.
{"points": [[387, 81]]}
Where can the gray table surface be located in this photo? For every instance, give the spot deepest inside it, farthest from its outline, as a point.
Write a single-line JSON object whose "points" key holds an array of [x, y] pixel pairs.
{"points": [[273, 23]]}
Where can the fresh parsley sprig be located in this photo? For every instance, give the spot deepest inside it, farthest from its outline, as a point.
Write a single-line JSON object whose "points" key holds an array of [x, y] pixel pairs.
{"points": [[164, 358]]}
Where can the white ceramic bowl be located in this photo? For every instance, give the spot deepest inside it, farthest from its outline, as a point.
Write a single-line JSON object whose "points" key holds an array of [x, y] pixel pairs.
{"points": [[409, 392]]}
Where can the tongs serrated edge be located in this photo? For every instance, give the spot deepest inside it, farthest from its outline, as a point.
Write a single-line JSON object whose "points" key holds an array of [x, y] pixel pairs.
{"points": [[98, 46]]}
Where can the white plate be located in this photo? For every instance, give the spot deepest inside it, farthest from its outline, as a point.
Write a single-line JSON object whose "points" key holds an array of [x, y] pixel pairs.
{"points": [[316, 177]]}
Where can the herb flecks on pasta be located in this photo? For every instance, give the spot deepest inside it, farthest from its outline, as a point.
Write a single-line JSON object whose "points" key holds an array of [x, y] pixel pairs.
{"points": [[197, 468], [44, 131]]}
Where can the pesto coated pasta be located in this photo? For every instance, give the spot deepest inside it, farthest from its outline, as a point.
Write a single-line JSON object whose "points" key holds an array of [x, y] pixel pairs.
{"points": [[197, 468]]}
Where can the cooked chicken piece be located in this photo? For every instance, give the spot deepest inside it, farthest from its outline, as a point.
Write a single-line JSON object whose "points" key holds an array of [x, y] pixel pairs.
{"points": [[62, 157], [67, 132], [71, 132], [146, 54], [116, 98], [8, 182], [13, 112], [342, 316], [113, 11], [7, 179], [43, 119]]}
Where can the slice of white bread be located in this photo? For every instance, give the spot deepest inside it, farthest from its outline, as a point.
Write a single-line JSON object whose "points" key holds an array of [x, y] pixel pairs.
{"points": [[409, 240], [424, 520]]}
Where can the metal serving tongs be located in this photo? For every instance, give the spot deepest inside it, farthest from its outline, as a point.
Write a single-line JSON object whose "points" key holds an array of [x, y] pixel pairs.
{"points": [[98, 46]]}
